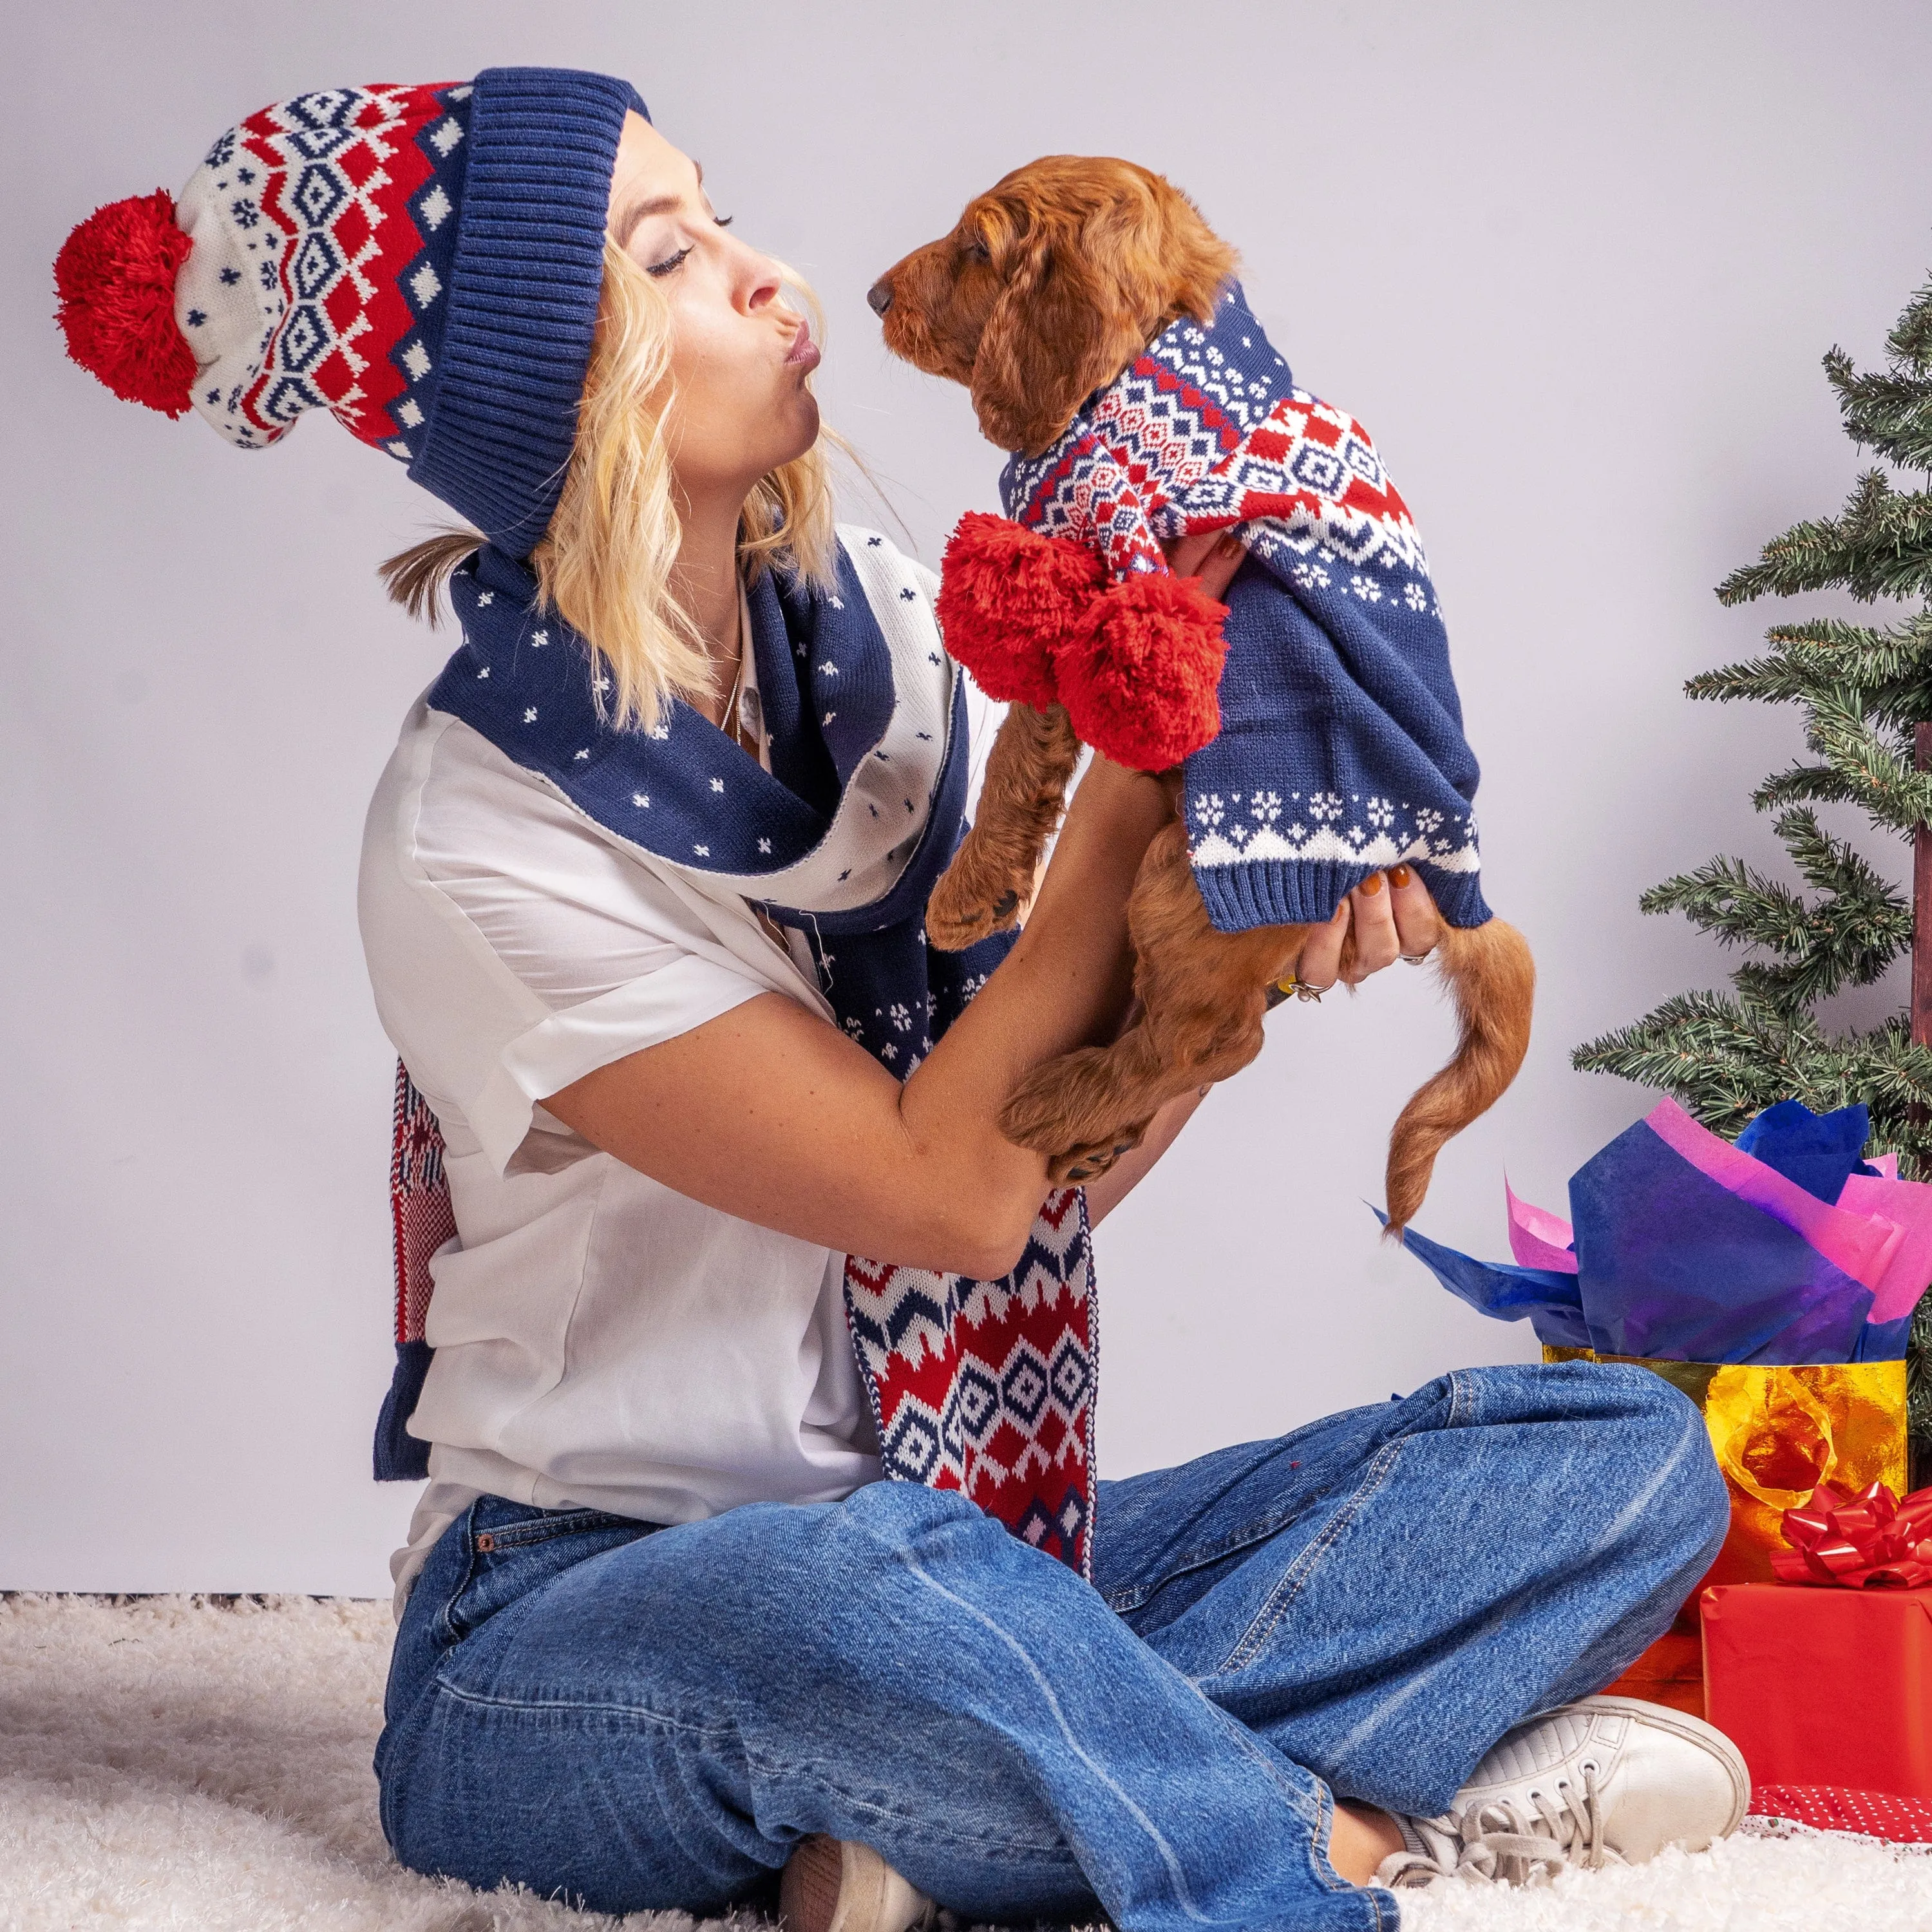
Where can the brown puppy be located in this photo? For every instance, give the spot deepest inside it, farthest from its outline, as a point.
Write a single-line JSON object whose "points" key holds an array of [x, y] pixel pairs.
{"points": [[1050, 286]]}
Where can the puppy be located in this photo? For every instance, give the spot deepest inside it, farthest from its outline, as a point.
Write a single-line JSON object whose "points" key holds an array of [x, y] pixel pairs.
{"points": [[1309, 727]]}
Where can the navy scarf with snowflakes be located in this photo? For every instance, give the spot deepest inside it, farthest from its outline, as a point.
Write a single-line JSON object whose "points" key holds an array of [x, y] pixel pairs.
{"points": [[1340, 750], [985, 1387], [846, 835]]}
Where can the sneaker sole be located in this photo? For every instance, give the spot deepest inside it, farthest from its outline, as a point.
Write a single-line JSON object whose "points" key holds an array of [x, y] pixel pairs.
{"points": [[1662, 1717], [831, 1886]]}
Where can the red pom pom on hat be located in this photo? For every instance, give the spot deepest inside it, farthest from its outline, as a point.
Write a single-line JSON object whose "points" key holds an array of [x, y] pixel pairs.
{"points": [[1008, 598], [116, 276], [1141, 676]]}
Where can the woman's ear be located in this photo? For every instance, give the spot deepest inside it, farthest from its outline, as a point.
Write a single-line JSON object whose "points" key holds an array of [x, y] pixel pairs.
{"points": [[1057, 332]]}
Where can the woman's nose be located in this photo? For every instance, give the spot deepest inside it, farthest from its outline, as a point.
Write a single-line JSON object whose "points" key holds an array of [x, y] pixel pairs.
{"points": [[879, 296]]}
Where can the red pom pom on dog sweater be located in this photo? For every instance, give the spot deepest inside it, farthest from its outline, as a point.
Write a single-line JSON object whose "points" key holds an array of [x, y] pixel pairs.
{"points": [[115, 275], [1140, 675], [1008, 598]]}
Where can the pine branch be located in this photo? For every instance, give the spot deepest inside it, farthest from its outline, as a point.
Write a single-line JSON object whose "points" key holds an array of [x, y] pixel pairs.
{"points": [[1909, 343], [1890, 413], [1726, 897], [1802, 784], [1879, 545], [1877, 773]]}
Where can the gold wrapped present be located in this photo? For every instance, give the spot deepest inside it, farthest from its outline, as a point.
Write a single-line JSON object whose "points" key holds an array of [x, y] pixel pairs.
{"points": [[1777, 1433]]}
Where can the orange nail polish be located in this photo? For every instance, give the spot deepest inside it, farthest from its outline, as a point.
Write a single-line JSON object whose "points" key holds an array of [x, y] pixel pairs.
{"points": [[1400, 875], [1370, 886]]}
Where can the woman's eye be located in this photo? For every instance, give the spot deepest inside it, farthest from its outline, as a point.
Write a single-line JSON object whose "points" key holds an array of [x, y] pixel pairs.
{"points": [[669, 263], [724, 220]]}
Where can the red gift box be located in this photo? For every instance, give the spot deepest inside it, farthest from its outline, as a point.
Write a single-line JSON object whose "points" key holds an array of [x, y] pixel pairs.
{"points": [[1823, 1686]]}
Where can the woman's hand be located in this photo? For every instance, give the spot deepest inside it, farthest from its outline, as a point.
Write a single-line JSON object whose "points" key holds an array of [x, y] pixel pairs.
{"points": [[1392, 917]]}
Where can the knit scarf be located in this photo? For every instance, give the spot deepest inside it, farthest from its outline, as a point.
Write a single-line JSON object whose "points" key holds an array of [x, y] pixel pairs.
{"points": [[1336, 746], [984, 1386]]}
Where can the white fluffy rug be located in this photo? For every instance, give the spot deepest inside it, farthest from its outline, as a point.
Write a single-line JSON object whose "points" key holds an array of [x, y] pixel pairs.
{"points": [[168, 1762]]}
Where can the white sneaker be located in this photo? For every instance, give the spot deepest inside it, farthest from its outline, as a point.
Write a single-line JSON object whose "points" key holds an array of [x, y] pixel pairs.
{"points": [[1608, 1780], [834, 1885]]}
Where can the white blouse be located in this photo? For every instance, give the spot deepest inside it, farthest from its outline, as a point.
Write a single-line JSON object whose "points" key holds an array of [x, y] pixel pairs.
{"points": [[599, 1338]]}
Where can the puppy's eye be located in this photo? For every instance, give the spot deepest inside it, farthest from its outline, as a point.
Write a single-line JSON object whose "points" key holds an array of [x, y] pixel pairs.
{"points": [[977, 246]]}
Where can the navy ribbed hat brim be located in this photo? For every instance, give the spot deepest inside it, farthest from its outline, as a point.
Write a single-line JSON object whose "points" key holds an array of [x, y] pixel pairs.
{"points": [[523, 293]]}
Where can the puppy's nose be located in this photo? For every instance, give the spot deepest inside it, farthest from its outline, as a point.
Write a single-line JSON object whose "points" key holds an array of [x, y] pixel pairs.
{"points": [[880, 297]]}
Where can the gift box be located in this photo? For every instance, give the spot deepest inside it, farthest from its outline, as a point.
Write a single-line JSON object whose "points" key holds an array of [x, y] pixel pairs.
{"points": [[1823, 1686], [1772, 1279], [1778, 1432]]}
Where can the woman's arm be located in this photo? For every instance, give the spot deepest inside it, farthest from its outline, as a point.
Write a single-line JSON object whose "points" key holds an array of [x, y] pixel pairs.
{"points": [[768, 1113]]}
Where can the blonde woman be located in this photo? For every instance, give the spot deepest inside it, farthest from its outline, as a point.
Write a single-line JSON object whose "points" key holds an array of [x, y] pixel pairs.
{"points": [[640, 895]]}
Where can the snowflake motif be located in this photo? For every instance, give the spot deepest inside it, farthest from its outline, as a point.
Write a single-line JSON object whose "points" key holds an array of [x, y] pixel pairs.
{"points": [[703, 851], [530, 715], [584, 754], [890, 1051], [195, 318], [1311, 576], [1415, 597], [852, 1026], [539, 639], [600, 682], [485, 597], [485, 672], [245, 212], [828, 717], [837, 603], [221, 153], [640, 799], [908, 595], [1266, 805], [1208, 810], [230, 276], [1324, 807], [1356, 834], [265, 273], [1428, 821], [717, 785], [660, 731], [828, 670], [1366, 588], [244, 176], [764, 845], [1381, 814], [901, 1016]]}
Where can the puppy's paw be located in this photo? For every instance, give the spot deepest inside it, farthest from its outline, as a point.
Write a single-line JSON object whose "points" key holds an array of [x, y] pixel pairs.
{"points": [[1065, 1110], [1079, 1165], [957, 918]]}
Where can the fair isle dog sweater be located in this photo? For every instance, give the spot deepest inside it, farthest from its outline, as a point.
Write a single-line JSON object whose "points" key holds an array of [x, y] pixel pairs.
{"points": [[1340, 750]]}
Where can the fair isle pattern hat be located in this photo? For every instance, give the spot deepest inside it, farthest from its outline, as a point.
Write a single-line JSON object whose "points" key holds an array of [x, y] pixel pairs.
{"points": [[424, 263]]}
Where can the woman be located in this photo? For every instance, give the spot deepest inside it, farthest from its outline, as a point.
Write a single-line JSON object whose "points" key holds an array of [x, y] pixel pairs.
{"points": [[663, 1630]]}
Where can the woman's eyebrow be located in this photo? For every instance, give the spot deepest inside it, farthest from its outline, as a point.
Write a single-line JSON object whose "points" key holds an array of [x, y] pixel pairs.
{"points": [[622, 228]]}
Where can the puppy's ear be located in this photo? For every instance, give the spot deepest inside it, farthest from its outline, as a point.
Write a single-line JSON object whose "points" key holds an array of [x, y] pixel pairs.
{"points": [[1057, 331], [1102, 256]]}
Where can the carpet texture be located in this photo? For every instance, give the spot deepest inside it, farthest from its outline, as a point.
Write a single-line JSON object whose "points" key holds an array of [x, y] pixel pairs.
{"points": [[173, 1763]]}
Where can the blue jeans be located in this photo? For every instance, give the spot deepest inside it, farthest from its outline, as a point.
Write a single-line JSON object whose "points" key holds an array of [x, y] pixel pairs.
{"points": [[630, 1716]]}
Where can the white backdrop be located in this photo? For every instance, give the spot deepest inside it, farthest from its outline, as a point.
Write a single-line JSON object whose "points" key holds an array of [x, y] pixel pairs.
{"points": [[1575, 267]]}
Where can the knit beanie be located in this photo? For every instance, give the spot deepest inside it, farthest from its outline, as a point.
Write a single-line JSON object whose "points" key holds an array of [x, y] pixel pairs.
{"points": [[424, 263]]}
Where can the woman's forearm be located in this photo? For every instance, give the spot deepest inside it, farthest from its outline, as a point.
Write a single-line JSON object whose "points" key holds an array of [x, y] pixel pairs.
{"points": [[767, 1113], [1066, 983]]}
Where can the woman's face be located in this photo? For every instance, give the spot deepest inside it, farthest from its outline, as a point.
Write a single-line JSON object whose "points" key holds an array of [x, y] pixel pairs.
{"points": [[740, 358]]}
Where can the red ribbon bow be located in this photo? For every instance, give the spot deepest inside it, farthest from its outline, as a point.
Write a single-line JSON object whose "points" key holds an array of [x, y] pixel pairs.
{"points": [[1871, 1540]]}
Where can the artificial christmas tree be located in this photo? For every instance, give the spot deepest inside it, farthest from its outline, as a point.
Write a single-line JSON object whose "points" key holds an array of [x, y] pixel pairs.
{"points": [[1866, 691]]}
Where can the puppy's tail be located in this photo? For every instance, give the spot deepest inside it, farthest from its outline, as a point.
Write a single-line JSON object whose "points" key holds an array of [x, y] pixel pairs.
{"points": [[1492, 978]]}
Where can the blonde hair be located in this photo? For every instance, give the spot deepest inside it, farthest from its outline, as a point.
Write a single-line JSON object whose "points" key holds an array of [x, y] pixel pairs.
{"points": [[605, 564]]}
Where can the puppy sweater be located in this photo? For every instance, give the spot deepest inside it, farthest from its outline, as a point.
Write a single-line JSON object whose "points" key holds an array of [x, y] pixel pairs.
{"points": [[1338, 749]]}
